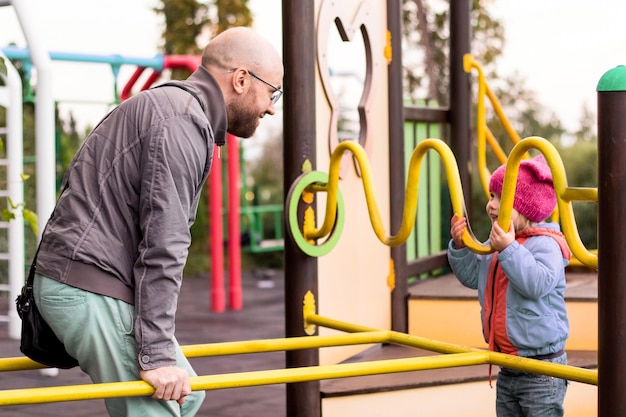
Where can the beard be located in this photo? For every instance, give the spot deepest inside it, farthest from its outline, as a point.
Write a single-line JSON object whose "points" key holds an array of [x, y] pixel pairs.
{"points": [[242, 121]]}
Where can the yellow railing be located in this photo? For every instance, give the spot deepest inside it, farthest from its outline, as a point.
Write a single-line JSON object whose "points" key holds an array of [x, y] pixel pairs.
{"points": [[484, 136], [565, 195], [451, 355], [454, 356]]}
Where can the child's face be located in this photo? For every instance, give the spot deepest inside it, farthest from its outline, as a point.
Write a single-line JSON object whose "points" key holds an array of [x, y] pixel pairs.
{"points": [[493, 209]]}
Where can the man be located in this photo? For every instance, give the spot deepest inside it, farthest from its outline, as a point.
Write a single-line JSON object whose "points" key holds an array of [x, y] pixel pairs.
{"points": [[110, 263]]}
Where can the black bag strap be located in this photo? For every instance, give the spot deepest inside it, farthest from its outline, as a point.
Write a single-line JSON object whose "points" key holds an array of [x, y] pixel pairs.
{"points": [[31, 272], [183, 87]]}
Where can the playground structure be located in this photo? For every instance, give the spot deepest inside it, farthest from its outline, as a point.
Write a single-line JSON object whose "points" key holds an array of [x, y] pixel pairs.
{"points": [[376, 274]]}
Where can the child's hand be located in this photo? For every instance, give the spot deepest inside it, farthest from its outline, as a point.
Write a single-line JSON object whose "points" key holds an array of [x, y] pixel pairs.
{"points": [[457, 225], [500, 239]]}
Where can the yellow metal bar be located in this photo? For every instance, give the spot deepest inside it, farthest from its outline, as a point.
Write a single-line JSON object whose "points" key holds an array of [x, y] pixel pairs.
{"points": [[481, 124], [587, 376], [241, 347], [393, 337], [19, 364], [519, 152], [497, 150], [411, 193], [559, 179], [483, 134], [571, 373], [580, 194], [565, 195], [242, 379], [455, 356], [290, 343]]}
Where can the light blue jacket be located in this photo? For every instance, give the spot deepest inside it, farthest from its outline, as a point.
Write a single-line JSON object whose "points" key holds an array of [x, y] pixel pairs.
{"points": [[536, 315]]}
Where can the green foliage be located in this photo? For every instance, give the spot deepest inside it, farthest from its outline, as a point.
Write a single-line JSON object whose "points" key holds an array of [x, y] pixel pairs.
{"points": [[581, 165], [30, 217], [231, 13], [186, 20]]}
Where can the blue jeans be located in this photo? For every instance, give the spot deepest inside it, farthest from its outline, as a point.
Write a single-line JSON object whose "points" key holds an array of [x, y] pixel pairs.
{"points": [[98, 331], [523, 394]]}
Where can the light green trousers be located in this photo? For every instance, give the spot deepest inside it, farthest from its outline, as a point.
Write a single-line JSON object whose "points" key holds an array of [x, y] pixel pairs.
{"points": [[98, 331]]}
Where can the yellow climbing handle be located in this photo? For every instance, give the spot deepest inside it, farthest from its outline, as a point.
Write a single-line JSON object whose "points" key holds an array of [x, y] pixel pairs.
{"points": [[411, 193], [483, 134], [564, 194]]}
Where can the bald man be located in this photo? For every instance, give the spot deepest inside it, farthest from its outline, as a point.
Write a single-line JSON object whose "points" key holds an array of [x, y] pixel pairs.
{"points": [[110, 262]]}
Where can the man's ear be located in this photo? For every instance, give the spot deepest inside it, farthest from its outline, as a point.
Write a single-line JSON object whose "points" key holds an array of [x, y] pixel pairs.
{"points": [[239, 80]]}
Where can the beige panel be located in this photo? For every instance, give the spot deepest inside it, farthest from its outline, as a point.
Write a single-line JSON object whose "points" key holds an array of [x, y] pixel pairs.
{"points": [[458, 321], [353, 277], [452, 321], [583, 318], [468, 400]]}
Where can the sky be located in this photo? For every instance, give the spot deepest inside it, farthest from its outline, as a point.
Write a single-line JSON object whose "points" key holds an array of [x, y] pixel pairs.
{"points": [[561, 48]]}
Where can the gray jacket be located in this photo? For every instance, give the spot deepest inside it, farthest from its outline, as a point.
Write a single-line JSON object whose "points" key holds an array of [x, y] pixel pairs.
{"points": [[121, 225]]}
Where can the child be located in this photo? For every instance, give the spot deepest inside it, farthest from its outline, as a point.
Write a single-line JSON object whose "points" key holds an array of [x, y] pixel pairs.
{"points": [[521, 289]]}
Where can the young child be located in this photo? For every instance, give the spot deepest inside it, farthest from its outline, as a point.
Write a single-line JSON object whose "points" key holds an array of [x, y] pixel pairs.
{"points": [[521, 289]]}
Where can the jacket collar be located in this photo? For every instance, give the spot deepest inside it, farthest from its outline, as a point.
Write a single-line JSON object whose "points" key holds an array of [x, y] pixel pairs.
{"points": [[215, 107]]}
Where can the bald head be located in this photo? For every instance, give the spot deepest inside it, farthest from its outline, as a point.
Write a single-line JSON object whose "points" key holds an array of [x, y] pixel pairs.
{"points": [[249, 72], [240, 47]]}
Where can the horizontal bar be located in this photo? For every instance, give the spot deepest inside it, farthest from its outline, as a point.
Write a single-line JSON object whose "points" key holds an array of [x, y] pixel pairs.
{"points": [[239, 380], [456, 356], [580, 194], [572, 373], [241, 347], [426, 263], [426, 114], [23, 54]]}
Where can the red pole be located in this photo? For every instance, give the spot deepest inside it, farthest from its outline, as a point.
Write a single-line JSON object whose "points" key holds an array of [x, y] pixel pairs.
{"points": [[216, 234], [234, 229]]}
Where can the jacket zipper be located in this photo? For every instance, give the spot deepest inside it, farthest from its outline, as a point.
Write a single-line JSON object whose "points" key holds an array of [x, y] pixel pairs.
{"points": [[493, 305]]}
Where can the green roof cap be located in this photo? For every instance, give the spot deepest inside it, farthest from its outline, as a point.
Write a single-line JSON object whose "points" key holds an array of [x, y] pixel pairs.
{"points": [[613, 80]]}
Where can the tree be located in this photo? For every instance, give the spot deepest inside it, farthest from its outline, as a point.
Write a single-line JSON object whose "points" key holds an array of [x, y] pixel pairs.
{"points": [[187, 20], [425, 45]]}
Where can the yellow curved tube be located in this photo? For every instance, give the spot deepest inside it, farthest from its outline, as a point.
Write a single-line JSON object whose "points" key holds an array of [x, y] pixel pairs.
{"points": [[563, 193], [411, 193]]}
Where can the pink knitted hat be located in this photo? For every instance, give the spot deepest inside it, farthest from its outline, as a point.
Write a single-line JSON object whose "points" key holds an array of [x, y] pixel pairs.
{"points": [[534, 195]]}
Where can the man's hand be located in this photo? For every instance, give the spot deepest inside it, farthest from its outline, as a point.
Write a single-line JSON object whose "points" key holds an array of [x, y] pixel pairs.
{"points": [[169, 382]]}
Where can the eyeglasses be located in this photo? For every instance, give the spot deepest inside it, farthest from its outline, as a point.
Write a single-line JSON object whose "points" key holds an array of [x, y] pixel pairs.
{"points": [[276, 95]]}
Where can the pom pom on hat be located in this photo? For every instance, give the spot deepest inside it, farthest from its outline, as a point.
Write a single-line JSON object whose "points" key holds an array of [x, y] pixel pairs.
{"points": [[535, 198]]}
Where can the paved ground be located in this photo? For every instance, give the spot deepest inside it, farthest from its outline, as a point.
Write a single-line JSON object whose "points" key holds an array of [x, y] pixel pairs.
{"points": [[262, 317]]}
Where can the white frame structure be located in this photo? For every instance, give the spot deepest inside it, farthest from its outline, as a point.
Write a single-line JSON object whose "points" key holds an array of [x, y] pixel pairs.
{"points": [[44, 135]]}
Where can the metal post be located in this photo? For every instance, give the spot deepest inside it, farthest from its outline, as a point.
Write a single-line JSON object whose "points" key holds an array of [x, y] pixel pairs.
{"points": [[303, 398], [460, 89], [611, 244], [399, 307], [235, 294], [44, 113]]}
